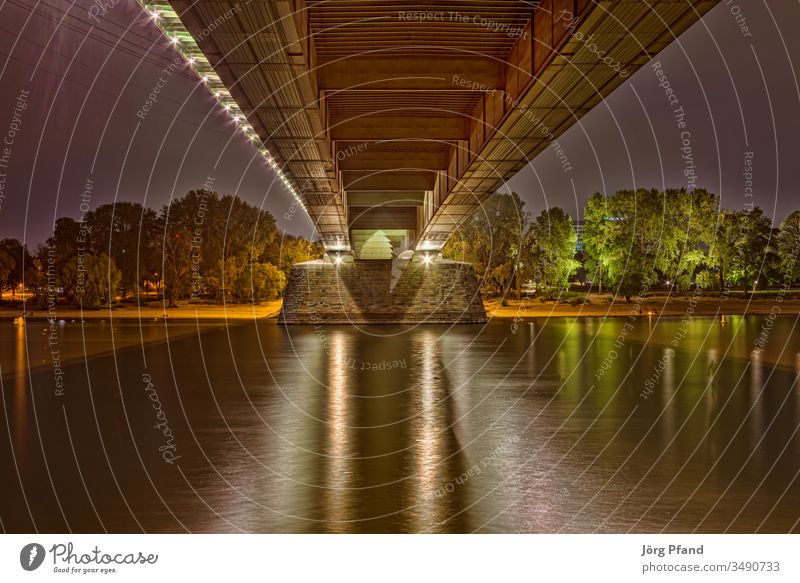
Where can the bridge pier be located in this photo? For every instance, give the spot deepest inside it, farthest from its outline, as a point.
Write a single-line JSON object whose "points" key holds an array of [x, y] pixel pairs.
{"points": [[382, 292]]}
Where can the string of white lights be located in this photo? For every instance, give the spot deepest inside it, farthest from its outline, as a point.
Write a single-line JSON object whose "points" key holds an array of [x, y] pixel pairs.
{"points": [[167, 20]]}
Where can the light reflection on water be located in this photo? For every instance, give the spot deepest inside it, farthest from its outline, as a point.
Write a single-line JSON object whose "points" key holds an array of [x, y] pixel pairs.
{"points": [[429, 395], [338, 468], [430, 429], [20, 388]]}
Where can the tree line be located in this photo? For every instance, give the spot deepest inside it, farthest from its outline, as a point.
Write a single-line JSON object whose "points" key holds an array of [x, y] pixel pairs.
{"points": [[212, 247], [632, 241], [199, 246]]}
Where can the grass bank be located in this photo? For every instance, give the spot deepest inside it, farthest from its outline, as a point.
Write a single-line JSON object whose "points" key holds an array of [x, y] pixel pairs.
{"points": [[664, 304]]}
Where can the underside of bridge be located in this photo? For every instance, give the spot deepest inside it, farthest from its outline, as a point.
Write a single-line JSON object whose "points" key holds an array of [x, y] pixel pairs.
{"points": [[392, 122]]}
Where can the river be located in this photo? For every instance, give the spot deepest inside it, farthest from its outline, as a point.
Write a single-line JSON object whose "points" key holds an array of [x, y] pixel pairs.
{"points": [[551, 425]]}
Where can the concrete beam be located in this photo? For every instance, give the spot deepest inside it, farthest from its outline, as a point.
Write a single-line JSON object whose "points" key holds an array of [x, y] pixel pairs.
{"points": [[393, 198], [383, 72], [383, 217], [400, 180], [394, 127], [391, 156]]}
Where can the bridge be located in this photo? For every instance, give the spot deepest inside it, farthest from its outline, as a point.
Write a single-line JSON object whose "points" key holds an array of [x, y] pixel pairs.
{"points": [[391, 122]]}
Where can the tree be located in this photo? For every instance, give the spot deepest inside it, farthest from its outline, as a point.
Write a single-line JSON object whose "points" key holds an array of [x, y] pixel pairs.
{"points": [[62, 246], [288, 250], [125, 231], [687, 232], [594, 239], [213, 245], [7, 265], [742, 247], [553, 249], [23, 265], [273, 281], [726, 240], [91, 280], [754, 250], [635, 238], [226, 235], [261, 281], [239, 234], [177, 263], [253, 281], [622, 236], [188, 245], [635, 232], [234, 278], [706, 279], [248, 230], [492, 239], [788, 247]]}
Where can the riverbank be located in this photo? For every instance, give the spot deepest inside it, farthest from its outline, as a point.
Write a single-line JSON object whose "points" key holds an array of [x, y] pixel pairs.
{"points": [[33, 343], [156, 311], [573, 305], [655, 305]]}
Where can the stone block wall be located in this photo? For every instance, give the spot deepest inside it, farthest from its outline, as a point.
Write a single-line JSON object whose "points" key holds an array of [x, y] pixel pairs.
{"points": [[369, 292]]}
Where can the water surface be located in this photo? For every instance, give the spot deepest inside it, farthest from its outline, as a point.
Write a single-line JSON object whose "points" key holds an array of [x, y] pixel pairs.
{"points": [[559, 425]]}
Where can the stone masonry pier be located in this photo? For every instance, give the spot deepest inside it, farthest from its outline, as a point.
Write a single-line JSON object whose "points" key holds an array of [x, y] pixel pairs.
{"points": [[382, 292]]}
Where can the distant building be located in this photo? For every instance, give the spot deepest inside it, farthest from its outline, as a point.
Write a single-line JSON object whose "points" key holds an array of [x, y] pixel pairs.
{"points": [[578, 226]]}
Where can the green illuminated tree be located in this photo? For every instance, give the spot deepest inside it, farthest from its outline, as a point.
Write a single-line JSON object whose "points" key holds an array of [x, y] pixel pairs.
{"points": [[754, 253], [594, 240], [788, 246], [622, 236], [686, 232], [743, 247], [635, 239], [553, 249]]}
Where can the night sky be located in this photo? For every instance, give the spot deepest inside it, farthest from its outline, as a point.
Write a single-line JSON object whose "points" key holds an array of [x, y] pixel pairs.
{"points": [[83, 80]]}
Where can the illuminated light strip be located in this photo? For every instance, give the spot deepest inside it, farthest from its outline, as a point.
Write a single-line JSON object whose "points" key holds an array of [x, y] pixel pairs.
{"points": [[166, 19]]}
